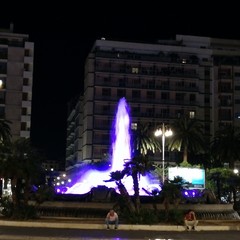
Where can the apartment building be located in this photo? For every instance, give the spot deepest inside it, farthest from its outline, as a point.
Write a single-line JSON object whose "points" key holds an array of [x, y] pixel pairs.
{"points": [[16, 79], [197, 76]]}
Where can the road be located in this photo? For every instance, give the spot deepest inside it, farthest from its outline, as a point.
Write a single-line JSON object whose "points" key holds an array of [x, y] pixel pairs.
{"points": [[36, 233]]}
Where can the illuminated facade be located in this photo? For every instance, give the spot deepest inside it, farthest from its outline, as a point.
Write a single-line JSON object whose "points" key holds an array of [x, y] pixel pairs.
{"points": [[16, 80], [16, 75], [197, 76]]}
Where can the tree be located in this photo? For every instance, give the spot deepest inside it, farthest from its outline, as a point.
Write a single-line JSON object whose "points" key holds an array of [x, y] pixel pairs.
{"points": [[225, 146], [5, 131], [171, 193], [137, 166], [117, 176], [223, 181], [143, 141], [187, 136], [5, 139], [23, 167]]}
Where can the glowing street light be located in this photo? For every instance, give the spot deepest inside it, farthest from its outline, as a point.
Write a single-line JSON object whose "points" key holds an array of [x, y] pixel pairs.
{"points": [[235, 171], [164, 132]]}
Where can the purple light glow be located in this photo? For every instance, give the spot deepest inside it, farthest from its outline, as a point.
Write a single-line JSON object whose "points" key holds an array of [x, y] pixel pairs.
{"points": [[121, 151], [121, 147]]}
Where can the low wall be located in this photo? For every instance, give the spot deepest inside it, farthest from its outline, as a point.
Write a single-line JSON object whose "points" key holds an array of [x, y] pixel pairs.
{"points": [[107, 206], [197, 207], [95, 209]]}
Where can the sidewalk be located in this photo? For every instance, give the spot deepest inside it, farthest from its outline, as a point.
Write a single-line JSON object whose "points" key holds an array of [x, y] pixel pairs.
{"points": [[82, 223]]}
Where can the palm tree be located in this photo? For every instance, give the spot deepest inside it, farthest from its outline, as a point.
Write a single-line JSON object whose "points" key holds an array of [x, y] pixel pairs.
{"points": [[137, 166], [143, 140], [225, 146], [117, 176], [187, 136], [143, 143]]}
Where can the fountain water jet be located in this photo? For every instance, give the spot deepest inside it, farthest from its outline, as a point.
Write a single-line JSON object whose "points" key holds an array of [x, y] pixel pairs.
{"points": [[121, 151]]}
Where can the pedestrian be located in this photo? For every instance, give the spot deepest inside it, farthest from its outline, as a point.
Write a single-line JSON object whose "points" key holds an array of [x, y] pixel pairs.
{"points": [[112, 219], [190, 220]]}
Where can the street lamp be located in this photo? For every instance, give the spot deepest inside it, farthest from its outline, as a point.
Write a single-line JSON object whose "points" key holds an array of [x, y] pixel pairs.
{"points": [[235, 171], [164, 132]]}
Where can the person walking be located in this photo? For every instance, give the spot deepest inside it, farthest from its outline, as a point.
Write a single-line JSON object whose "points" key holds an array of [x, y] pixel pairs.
{"points": [[112, 219], [190, 220]]}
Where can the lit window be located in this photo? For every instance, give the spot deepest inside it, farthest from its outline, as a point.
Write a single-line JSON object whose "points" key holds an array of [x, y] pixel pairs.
{"points": [[184, 60], [192, 114], [134, 126], [135, 70]]}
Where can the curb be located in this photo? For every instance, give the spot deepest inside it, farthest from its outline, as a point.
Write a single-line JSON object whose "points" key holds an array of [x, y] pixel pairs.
{"points": [[74, 225]]}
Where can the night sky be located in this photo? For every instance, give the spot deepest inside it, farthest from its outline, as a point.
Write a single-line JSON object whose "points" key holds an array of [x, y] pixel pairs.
{"points": [[63, 35]]}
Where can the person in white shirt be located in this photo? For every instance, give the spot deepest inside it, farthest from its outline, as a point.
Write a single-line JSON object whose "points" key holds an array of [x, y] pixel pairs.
{"points": [[112, 219]]}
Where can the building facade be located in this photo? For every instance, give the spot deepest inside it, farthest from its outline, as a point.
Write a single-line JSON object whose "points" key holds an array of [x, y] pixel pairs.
{"points": [[16, 77], [191, 75]]}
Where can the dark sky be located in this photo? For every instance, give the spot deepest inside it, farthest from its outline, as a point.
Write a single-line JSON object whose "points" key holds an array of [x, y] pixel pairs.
{"points": [[64, 33]]}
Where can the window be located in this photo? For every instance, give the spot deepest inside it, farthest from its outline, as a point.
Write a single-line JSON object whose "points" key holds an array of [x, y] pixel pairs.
{"points": [[133, 126], [3, 53], [151, 84], [23, 126], [207, 72], [24, 96], [107, 80], [27, 52], [184, 60], [224, 114], [135, 110], [206, 99], [24, 111], [2, 97], [225, 100], [150, 95], [237, 74], [3, 68], [192, 114], [165, 113], [121, 92], [180, 84], [224, 87], [165, 96], [136, 82], [2, 112], [135, 70], [106, 108], [224, 73], [25, 81], [192, 85], [179, 113], [150, 112], [136, 94], [121, 82], [106, 92], [192, 97], [165, 84], [179, 96]]}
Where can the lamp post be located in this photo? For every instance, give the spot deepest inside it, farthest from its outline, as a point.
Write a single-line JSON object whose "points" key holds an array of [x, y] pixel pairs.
{"points": [[164, 132]]}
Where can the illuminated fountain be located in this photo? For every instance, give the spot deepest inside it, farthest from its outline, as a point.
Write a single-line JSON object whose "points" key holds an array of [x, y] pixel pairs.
{"points": [[121, 152]]}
